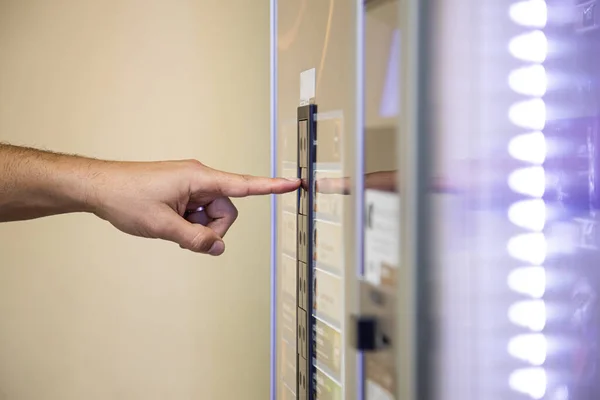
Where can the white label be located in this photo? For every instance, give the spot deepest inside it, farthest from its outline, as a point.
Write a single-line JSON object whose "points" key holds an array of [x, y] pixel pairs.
{"points": [[376, 392], [328, 296], [307, 86], [288, 232], [382, 234], [329, 205], [328, 250], [288, 275]]}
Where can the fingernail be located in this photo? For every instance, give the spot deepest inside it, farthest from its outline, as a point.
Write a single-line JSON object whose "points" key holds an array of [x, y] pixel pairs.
{"points": [[217, 248], [295, 180]]}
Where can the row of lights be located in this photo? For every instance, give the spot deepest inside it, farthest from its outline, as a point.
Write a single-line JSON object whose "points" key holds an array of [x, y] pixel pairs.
{"points": [[528, 247]]}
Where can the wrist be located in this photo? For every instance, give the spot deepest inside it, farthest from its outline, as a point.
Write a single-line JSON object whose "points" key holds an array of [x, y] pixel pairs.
{"points": [[74, 183], [60, 183]]}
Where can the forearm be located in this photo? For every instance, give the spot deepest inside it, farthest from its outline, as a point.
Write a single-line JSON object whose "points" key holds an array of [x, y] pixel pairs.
{"points": [[35, 183]]}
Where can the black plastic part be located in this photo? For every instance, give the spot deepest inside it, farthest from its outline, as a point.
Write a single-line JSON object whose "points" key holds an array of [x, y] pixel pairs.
{"points": [[366, 333], [307, 154], [303, 200]]}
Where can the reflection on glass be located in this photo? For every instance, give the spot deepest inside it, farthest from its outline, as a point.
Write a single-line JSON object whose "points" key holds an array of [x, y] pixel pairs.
{"points": [[383, 54], [329, 258], [390, 100]]}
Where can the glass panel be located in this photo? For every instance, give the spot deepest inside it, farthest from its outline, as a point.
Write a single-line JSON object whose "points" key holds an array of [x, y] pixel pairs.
{"points": [[381, 200], [316, 53]]}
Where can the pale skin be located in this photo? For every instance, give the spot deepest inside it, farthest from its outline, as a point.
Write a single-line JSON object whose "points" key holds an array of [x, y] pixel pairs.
{"points": [[184, 202]]}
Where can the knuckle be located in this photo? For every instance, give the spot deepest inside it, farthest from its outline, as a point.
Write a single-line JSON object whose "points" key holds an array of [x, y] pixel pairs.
{"points": [[245, 189], [192, 163], [228, 209]]}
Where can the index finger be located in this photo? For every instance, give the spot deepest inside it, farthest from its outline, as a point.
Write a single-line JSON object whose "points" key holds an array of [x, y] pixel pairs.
{"points": [[238, 185]]}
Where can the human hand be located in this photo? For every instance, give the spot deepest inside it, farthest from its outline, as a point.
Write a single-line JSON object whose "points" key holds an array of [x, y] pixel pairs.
{"points": [[184, 202]]}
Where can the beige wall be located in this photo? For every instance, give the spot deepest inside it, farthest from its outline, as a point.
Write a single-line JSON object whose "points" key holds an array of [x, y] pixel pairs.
{"points": [[85, 311]]}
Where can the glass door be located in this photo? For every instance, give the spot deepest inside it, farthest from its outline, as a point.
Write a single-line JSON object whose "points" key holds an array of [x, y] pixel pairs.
{"points": [[375, 325], [315, 77]]}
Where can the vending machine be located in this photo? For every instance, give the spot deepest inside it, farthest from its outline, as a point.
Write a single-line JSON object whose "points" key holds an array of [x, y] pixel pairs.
{"points": [[444, 244]]}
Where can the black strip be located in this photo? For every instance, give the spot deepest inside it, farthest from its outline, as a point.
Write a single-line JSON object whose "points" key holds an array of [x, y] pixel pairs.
{"points": [[307, 154]]}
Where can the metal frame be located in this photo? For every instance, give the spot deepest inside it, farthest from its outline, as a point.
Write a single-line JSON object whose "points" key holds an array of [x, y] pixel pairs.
{"points": [[273, 127], [359, 178], [413, 324]]}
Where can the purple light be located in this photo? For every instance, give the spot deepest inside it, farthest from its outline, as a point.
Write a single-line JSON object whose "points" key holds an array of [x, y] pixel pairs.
{"points": [[390, 101]]}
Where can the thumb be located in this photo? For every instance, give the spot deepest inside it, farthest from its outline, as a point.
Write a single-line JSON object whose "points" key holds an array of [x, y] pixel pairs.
{"points": [[194, 237]]}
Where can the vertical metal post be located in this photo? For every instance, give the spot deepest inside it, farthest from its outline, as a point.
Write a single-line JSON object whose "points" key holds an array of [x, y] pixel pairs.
{"points": [[413, 324], [273, 127], [359, 171]]}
